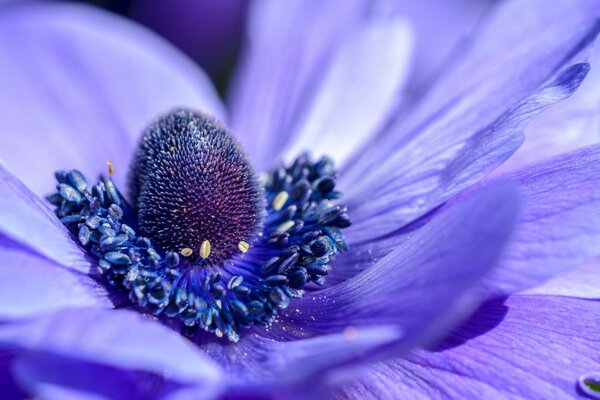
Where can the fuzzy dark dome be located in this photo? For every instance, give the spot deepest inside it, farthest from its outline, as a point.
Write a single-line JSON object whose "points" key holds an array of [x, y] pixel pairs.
{"points": [[190, 181]]}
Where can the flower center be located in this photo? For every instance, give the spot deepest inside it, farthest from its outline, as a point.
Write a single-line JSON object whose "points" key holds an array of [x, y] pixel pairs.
{"points": [[217, 251], [191, 183]]}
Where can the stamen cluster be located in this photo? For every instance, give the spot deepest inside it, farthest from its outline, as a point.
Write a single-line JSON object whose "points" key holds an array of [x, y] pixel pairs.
{"points": [[301, 233]]}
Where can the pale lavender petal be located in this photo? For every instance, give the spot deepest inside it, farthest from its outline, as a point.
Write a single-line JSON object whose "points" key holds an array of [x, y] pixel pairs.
{"points": [[31, 284], [53, 377], [441, 28], [426, 176], [444, 260], [282, 60], [559, 230], [25, 218], [112, 339], [78, 87], [358, 91], [571, 124], [560, 225], [481, 107], [583, 282], [533, 347]]}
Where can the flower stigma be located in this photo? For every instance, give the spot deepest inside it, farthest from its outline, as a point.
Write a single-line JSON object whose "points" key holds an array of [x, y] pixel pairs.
{"points": [[202, 239]]}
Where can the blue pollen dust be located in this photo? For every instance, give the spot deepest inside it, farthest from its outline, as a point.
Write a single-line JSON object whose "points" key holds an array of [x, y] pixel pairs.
{"points": [[218, 249]]}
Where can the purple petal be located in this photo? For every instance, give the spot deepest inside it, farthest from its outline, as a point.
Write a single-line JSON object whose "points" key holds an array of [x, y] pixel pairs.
{"points": [[107, 340], [283, 59], [571, 124], [8, 387], [440, 29], [359, 90], [560, 226], [263, 367], [410, 296], [78, 87], [583, 282], [423, 284], [399, 197], [474, 119], [533, 347], [53, 377], [30, 284], [26, 219]]}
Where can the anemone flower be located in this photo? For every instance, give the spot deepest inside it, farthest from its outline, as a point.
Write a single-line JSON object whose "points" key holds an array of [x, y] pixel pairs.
{"points": [[125, 286]]}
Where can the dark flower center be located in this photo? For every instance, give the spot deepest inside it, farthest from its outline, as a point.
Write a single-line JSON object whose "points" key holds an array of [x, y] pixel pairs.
{"points": [[218, 251], [191, 183]]}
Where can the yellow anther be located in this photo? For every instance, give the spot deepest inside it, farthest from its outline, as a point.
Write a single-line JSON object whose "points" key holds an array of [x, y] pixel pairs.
{"points": [[280, 200], [205, 249], [186, 252], [286, 226], [111, 168], [243, 246]]}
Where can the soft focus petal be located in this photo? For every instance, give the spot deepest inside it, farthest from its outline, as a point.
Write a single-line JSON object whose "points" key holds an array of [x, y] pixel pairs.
{"points": [[474, 119], [560, 226], [422, 284], [282, 60], [8, 387], [571, 124], [532, 347], [440, 28], [25, 218], [359, 90], [30, 284], [209, 31], [107, 340], [78, 87]]}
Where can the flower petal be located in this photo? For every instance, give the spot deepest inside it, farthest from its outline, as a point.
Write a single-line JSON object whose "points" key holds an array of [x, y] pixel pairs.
{"points": [[30, 284], [421, 285], [263, 367], [8, 387], [410, 296], [108, 340], [571, 124], [440, 29], [282, 61], [560, 226], [583, 282], [78, 87], [359, 90], [473, 120], [26, 219], [533, 347]]}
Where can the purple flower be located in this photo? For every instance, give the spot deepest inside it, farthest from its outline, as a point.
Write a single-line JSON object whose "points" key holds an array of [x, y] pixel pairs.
{"points": [[431, 239]]}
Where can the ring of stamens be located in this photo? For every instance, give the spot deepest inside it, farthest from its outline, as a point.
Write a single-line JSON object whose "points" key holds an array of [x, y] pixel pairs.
{"points": [[301, 234]]}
